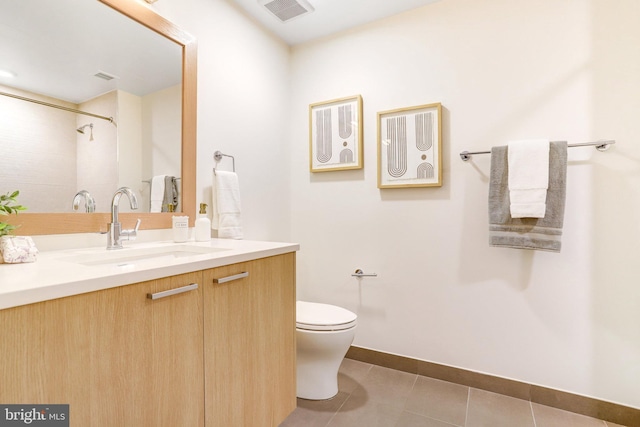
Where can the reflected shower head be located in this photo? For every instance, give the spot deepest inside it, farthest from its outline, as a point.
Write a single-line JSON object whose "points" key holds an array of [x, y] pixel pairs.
{"points": [[81, 130]]}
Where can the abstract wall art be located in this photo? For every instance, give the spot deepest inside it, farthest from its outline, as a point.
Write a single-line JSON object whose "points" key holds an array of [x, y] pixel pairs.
{"points": [[335, 134], [410, 147]]}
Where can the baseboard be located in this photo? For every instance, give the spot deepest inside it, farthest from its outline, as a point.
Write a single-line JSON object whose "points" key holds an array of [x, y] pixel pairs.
{"points": [[595, 408]]}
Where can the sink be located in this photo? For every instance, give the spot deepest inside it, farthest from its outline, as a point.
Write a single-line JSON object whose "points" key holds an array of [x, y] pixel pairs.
{"points": [[134, 256]]}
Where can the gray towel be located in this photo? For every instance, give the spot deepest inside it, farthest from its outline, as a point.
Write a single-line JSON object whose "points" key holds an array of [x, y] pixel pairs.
{"points": [[170, 194], [527, 233]]}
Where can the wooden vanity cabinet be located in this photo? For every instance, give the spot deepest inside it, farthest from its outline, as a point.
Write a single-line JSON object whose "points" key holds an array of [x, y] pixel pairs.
{"points": [[249, 339], [115, 356], [221, 355]]}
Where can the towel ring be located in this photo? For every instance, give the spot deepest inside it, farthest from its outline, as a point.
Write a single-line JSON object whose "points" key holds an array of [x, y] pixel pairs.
{"points": [[217, 156]]}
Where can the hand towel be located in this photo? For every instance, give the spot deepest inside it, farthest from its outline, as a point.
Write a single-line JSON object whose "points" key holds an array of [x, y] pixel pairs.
{"points": [[157, 193], [170, 196], [226, 207], [528, 177], [527, 233]]}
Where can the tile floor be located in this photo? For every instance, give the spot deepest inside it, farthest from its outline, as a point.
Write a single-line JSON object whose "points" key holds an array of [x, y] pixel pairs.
{"points": [[371, 395]]}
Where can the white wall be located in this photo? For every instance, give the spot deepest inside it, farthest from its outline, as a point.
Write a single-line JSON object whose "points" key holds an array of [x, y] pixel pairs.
{"points": [[149, 140], [98, 159], [243, 100], [502, 69], [132, 164], [162, 130]]}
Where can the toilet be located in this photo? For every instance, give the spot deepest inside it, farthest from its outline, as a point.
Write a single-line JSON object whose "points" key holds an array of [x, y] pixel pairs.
{"points": [[324, 333]]}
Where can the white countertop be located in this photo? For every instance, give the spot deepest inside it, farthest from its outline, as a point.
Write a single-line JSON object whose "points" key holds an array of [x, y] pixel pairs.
{"points": [[63, 273]]}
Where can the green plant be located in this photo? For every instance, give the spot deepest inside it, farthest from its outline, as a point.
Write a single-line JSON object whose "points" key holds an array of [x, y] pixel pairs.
{"points": [[9, 205]]}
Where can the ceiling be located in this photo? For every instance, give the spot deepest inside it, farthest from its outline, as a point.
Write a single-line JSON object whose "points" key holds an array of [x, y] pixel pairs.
{"points": [[329, 17], [55, 47]]}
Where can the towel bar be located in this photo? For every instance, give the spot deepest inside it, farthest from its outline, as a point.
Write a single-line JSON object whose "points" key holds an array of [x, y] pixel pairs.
{"points": [[602, 145], [217, 156], [149, 180]]}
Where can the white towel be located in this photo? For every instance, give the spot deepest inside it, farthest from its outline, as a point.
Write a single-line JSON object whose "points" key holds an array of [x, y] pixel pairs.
{"points": [[157, 193], [226, 207], [528, 177]]}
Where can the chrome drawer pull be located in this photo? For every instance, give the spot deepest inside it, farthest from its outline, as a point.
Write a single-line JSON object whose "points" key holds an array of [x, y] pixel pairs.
{"points": [[231, 278], [175, 291]]}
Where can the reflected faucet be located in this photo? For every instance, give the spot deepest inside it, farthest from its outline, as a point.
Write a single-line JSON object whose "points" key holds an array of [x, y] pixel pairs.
{"points": [[89, 202], [116, 234]]}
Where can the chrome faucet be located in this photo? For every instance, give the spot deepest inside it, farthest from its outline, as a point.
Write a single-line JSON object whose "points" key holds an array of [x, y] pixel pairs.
{"points": [[89, 202], [115, 233]]}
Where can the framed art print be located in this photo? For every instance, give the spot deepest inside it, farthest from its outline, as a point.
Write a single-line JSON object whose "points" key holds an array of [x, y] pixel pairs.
{"points": [[335, 135], [410, 147]]}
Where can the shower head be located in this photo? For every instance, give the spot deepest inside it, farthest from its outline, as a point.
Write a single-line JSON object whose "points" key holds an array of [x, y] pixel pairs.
{"points": [[81, 130]]}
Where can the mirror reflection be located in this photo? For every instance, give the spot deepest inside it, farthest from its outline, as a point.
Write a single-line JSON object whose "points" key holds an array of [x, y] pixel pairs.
{"points": [[120, 86]]}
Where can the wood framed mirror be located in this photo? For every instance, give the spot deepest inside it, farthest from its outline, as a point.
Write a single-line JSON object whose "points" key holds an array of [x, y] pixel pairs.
{"points": [[65, 223]]}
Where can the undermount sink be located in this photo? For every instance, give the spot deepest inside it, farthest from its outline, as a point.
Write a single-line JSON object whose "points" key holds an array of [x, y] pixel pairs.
{"points": [[132, 256]]}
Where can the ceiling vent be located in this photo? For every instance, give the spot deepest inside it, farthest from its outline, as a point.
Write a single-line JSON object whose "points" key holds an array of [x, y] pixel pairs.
{"points": [[286, 10], [105, 76]]}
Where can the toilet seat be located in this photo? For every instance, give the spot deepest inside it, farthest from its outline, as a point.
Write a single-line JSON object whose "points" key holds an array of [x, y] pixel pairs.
{"points": [[312, 316]]}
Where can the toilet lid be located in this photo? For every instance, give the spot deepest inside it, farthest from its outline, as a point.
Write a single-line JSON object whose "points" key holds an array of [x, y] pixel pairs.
{"points": [[314, 316]]}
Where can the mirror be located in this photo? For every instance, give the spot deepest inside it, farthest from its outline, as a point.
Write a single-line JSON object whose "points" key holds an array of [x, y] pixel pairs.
{"points": [[57, 223]]}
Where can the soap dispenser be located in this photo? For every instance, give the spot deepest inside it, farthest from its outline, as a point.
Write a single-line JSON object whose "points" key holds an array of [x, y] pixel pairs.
{"points": [[203, 225]]}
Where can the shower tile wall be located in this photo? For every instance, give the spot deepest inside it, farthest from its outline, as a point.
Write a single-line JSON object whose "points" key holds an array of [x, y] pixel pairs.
{"points": [[39, 146]]}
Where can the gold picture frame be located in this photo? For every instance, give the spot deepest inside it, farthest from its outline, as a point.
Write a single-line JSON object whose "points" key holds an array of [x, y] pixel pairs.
{"points": [[335, 135], [410, 147]]}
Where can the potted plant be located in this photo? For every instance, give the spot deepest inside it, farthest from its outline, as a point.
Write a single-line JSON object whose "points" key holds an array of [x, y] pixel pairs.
{"points": [[14, 249], [9, 205]]}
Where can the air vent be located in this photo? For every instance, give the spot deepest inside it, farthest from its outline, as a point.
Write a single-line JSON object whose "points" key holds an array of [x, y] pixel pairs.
{"points": [[105, 76], [286, 10]]}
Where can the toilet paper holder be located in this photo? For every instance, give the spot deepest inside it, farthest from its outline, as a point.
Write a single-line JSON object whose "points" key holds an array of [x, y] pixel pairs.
{"points": [[360, 273]]}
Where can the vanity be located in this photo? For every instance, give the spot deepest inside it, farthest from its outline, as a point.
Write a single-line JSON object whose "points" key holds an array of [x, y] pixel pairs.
{"points": [[158, 334], [153, 334]]}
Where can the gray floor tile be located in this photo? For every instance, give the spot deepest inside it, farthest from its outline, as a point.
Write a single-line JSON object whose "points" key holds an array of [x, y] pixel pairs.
{"points": [[359, 411], [408, 419], [488, 409], [384, 385], [547, 416], [351, 374], [315, 413], [440, 400], [373, 396]]}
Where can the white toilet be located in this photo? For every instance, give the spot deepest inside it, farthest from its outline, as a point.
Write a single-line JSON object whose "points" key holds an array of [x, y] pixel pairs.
{"points": [[324, 333]]}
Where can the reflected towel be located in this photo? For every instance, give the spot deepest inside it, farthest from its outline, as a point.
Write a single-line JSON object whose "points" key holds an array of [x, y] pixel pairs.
{"points": [[528, 177], [170, 194], [527, 233], [157, 193], [226, 207]]}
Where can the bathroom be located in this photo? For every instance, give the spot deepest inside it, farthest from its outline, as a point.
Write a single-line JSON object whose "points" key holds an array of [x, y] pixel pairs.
{"points": [[564, 70], [502, 70]]}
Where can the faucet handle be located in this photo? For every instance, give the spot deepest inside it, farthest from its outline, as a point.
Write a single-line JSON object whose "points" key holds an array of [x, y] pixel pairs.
{"points": [[131, 234]]}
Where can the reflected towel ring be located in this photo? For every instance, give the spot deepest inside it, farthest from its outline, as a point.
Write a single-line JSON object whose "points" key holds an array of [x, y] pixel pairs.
{"points": [[360, 273]]}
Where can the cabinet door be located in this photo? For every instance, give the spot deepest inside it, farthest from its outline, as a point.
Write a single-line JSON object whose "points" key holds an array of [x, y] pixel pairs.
{"points": [[250, 343], [44, 355], [115, 356]]}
